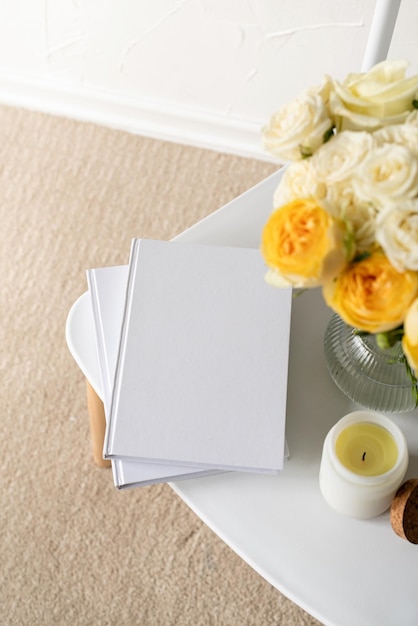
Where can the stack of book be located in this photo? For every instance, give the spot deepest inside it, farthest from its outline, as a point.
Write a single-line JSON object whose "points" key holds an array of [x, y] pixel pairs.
{"points": [[193, 351]]}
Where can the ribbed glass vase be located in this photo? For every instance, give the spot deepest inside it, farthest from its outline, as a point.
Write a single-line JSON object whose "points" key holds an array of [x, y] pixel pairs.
{"points": [[376, 378]]}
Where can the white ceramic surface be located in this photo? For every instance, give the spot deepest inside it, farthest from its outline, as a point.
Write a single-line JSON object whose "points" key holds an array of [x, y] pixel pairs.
{"points": [[343, 571]]}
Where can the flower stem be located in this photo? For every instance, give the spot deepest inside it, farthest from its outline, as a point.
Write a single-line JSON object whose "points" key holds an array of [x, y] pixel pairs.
{"points": [[413, 378]]}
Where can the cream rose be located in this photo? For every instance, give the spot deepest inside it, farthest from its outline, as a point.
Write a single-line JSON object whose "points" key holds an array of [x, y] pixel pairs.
{"points": [[303, 245], [360, 216], [380, 97], [337, 160], [299, 128], [410, 338], [412, 118], [397, 233], [298, 181], [390, 172], [402, 134]]}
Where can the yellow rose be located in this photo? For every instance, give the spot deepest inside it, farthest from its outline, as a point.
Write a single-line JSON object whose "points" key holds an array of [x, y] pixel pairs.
{"points": [[303, 245], [371, 295], [410, 338], [380, 97]]}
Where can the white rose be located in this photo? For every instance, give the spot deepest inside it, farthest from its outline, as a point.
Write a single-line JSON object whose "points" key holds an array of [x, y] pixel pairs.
{"points": [[337, 160], [389, 173], [298, 181], [359, 216], [380, 97], [397, 233], [412, 118], [401, 134], [299, 128]]}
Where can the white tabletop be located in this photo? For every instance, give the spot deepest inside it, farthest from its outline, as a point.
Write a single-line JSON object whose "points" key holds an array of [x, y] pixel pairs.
{"points": [[342, 571]]}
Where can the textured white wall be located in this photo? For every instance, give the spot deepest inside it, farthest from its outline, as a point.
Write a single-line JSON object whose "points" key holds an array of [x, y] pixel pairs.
{"points": [[206, 72]]}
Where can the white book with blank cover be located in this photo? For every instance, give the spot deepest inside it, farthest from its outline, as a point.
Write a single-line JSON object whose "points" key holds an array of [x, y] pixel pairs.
{"points": [[201, 377], [107, 287]]}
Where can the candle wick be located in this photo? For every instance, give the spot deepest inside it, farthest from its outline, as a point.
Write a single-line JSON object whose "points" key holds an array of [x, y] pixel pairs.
{"points": [[363, 457]]}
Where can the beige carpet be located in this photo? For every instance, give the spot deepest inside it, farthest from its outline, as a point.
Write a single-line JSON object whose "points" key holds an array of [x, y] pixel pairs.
{"points": [[73, 550]]}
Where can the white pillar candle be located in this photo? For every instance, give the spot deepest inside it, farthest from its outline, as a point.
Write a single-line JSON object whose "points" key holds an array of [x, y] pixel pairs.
{"points": [[364, 460]]}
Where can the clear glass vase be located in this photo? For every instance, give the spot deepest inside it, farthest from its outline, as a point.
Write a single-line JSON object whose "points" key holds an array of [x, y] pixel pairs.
{"points": [[376, 378]]}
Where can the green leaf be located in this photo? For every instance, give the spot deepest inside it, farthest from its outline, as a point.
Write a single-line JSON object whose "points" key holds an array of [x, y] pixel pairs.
{"points": [[330, 133], [413, 380], [360, 333], [298, 292], [415, 104], [349, 242], [361, 257], [383, 341], [389, 338], [305, 152]]}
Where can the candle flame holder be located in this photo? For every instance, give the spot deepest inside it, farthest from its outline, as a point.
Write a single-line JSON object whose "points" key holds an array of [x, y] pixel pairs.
{"points": [[349, 492]]}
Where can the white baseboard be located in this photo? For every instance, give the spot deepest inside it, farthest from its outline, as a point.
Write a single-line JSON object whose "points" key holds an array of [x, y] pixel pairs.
{"points": [[165, 121]]}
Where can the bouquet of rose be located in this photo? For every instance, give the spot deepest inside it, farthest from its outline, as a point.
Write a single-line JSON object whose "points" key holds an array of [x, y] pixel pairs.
{"points": [[346, 209]]}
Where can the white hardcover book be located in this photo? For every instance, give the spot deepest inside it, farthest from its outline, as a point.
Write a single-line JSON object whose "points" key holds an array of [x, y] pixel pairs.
{"points": [[107, 287], [201, 376]]}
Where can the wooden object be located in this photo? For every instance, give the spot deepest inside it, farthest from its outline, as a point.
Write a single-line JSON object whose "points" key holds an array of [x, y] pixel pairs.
{"points": [[404, 511], [97, 426]]}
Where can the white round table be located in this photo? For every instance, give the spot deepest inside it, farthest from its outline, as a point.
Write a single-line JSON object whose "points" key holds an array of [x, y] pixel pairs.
{"points": [[343, 571]]}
